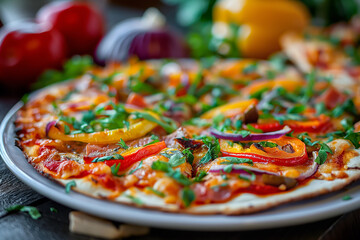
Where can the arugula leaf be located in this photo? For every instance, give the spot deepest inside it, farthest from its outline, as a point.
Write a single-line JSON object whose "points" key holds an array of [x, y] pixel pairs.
{"points": [[177, 159], [267, 144], [160, 194], [187, 196], [309, 90], [354, 138], [346, 198], [252, 129], [296, 109], [199, 122], [32, 211], [154, 139], [235, 160], [228, 168], [122, 144], [168, 128], [189, 155], [137, 168], [213, 149], [54, 210], [175, 174], [135, 200], [324, 150], [200, 176], [115, 169], [74, 67], [69, 185], [106, 158]]}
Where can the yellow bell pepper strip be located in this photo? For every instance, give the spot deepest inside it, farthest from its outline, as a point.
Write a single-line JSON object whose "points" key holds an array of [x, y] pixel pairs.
{"points": [[136, 130], [126, 159], [230, 109], [262, 22], [290, 84], [295, 154]]}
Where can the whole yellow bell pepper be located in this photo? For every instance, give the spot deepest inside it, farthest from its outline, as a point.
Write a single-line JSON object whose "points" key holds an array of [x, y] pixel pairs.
{"points": [[261, 22]]}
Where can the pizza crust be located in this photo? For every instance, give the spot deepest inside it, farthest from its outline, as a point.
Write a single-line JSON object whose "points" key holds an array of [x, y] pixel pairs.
{"points": [[244, 204]]}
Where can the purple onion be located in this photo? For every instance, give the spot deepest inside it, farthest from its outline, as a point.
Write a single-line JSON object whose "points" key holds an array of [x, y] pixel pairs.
{"points": [[48, 126], [251, 137], [243, 170]]}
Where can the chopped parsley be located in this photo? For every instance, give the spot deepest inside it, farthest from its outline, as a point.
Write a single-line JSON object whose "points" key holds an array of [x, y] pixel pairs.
{"points": [[167, 127], [115, 169], [235, 160], [187, 196], [156, 192], [116, 156], [346, 198], [69, 185], [189, 155], [54, 210], [174, 174], [213, 149], [200, 176], [154, 139], [32, 211], [122, 144], [324, 150], [135, 200], [137, 168]]}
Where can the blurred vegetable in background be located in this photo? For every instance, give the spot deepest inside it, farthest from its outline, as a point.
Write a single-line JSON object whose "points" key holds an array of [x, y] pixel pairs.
{"points": [[199, 19], [81, 24], [26, 50], [147, 37], [73, 68]]}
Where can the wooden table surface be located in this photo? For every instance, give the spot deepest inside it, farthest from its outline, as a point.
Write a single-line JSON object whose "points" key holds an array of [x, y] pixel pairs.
{"points": [[56, 225]]}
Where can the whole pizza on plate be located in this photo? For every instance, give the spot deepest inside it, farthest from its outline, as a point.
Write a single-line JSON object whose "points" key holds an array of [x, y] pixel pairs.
{"points": [[202, 137]]}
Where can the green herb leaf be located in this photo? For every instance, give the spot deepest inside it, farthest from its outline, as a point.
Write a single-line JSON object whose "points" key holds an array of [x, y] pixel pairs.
{"points": [[346, 198], [189, 155], [160, 194], [228, 168], [188, 196], [115, 169], [235, 160], [122, 144], [137, 168], [135, 200], [252, 129], [54, 210], [168, 128], [200, 176], [322, 156], [69, 185]]}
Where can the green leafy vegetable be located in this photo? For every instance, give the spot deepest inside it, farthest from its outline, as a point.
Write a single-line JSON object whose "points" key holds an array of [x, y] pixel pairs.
{"points": [[54, 210], [324, 150], [115, 169], [137, 168], [122, 144], [175, 174], [188, 196], [200, 176], [160, 194], [73, 68], [235, 160], [32, 211], [69, 185], [168, 128], [135, 200]]}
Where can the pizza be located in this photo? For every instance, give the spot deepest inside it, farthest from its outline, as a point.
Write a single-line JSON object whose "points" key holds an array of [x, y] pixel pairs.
{"points": [[232, 136]]}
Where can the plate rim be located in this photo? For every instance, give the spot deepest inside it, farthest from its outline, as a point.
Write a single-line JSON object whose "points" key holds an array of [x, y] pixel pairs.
{"points": [[155, 218]]}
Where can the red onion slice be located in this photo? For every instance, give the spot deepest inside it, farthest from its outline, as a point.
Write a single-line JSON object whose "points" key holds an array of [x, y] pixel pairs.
{"points": [[308, 173], [48, 127], [252, 136], [241, 169]]}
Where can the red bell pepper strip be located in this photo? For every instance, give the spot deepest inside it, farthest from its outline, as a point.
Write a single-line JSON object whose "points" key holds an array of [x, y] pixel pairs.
{"points": [[132, 156], [270, 155], [316, 125]]}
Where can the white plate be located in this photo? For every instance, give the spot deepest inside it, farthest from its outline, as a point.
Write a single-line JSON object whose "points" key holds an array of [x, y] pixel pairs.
{"points": [[313, 209]]}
